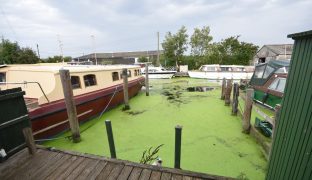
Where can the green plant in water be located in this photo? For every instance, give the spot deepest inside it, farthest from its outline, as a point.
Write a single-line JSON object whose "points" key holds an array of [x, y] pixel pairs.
{"points": [[149, 156], [242, 176]]}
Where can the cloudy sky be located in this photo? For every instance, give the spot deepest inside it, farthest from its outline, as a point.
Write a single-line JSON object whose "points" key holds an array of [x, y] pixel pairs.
{"points": [[124, 25]]}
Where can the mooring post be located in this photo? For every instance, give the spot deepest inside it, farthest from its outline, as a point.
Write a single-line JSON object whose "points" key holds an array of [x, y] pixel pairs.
{"points": [[247, 111], [277, 110], [125, 88], [70, 104], [110, 137], [228, 92], [146, 80], [223, 89], [235, 99], [29, 139], [177, 152]]}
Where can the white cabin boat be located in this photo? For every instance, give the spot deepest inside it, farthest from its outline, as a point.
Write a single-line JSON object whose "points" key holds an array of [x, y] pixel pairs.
{"points": [[218, 72], [158, 73]]}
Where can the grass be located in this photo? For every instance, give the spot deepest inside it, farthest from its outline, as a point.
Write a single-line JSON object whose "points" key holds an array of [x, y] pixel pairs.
{"points": [[212, 141]]}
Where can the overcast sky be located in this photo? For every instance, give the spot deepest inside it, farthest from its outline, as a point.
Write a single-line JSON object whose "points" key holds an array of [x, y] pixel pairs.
{"points": [[124, 25]]}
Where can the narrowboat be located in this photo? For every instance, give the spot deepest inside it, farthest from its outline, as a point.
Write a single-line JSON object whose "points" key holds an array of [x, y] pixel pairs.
{"points": [[94, 88], [218, 72], [269, 81]]}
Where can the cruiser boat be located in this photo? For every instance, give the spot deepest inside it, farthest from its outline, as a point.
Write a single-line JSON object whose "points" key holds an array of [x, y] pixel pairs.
{"points": [[269, 81], [94, 88], [217, 72], [158, 73]]}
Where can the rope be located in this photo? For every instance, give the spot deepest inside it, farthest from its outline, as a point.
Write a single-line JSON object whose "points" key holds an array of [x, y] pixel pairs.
{"points": [[99, 117]]}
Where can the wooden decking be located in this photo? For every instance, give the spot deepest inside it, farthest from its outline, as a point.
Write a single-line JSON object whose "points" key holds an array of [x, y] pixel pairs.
{"points": [[56, 164]]}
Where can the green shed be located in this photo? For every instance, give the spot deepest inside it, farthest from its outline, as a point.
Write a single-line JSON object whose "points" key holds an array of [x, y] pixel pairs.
{"points": [[291, 155]]}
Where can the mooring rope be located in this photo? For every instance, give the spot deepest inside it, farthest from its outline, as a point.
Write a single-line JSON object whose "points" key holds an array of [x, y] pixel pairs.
{"points": [[99, 117]]}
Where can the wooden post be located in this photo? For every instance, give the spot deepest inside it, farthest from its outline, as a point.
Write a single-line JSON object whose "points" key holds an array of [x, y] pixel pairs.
{"points": [[235, 99], [146, 80], [277, 110], [110, 137], [29, 139], [177, 152], [223, 89], [247, 111], [228, 92], [125, 88], [70, 105]]}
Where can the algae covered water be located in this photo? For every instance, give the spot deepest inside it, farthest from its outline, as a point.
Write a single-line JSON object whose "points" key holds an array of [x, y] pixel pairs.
{"points": [[212, 141]]}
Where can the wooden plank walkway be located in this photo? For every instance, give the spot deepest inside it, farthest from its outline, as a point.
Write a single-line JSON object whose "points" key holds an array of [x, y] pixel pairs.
{"points": [[56, 164]]}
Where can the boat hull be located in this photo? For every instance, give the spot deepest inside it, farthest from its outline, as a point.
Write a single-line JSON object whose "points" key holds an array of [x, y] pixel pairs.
{"points": [[167, 75], [51, 119]]}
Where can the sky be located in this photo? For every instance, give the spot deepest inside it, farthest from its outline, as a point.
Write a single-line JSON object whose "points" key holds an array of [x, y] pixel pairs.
{"points": [[88, 26]]}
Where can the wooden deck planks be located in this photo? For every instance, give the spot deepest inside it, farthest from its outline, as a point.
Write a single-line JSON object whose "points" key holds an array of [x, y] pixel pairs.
{"points": [[78, 170], [135, 174], [155, 175], [56, 164], [165, 176], [145, 174], [97, 170], [106, 171], [115, 172], [124, 174]]}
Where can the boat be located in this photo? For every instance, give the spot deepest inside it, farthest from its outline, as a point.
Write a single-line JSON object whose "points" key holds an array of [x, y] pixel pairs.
{"points": [[95, 87], [269, 81], [216, 72], [158, 72]]}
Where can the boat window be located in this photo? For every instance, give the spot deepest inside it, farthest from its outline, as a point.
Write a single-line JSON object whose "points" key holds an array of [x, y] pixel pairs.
{"points": [[75, 82], [205, 68], [89, 80], [136, 73], [282, 70], [268, 71], [259, 71], [115, 76], [278, 84], [129, 73], [281, 85], [226, 68], [2, 77]]}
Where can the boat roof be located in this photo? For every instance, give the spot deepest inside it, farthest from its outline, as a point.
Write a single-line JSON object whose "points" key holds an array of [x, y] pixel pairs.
{"points": [[55, 67], [277, 63]]}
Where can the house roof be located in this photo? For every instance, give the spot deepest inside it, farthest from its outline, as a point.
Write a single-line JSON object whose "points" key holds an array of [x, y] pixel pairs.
{"points": [[280, 48]]}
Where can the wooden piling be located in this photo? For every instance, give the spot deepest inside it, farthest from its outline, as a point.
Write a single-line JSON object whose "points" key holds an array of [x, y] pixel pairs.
{"points": [[110, 137], [146, 80], [228, 92], [177, 152], [70, 105], [235, 99], [277, 110], [125, 88], [247, 111], [29, 139], [223, 89]]}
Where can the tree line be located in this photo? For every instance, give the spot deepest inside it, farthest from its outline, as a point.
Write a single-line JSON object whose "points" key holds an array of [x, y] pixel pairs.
{"points": [[203, 51], [13, 53]]}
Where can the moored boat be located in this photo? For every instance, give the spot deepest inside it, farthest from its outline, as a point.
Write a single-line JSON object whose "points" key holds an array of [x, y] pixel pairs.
{"points": [[94, 88], [218, 72], [269, 81], [158, 73]]}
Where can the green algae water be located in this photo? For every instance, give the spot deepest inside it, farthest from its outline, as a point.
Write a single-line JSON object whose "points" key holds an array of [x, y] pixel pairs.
{"points": [[212, 141]]}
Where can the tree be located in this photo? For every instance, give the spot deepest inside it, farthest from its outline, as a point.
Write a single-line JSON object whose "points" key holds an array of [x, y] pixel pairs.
{"points": [[56, 59], [231, 51], [200, 41], [143, 59], [174, 46], [12, 53]]}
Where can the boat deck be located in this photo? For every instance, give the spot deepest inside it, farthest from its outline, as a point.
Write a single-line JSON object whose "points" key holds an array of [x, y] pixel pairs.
{"points": [[56, 164]]}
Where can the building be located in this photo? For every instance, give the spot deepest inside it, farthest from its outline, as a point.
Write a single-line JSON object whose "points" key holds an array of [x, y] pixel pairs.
{"points": [[273, 52], [118, 57]]}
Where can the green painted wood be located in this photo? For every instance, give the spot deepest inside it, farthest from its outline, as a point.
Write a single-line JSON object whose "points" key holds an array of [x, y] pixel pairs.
{"points": [[292, 146], [13, 118]]}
